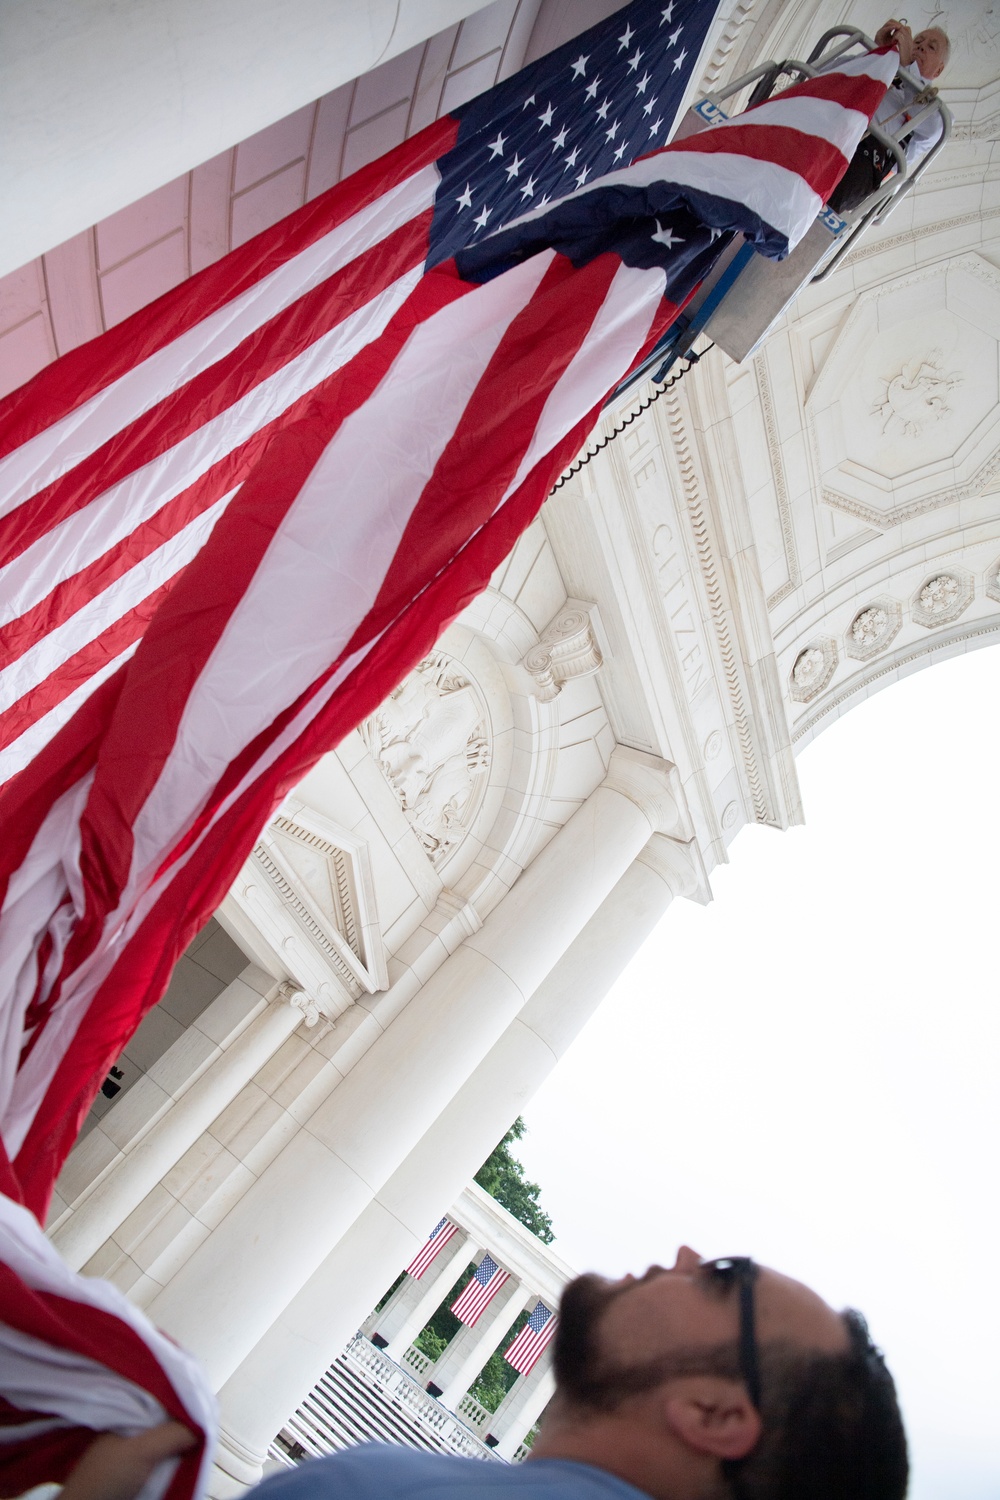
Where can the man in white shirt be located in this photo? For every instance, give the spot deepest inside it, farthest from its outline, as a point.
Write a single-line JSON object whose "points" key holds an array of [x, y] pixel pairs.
{"points": [[923, 58]]}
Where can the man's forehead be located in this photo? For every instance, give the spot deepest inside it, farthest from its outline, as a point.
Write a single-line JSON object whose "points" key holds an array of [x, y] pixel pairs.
{"points": [[674, 1301]]}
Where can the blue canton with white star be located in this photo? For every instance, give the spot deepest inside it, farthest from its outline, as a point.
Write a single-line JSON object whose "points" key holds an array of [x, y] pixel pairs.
{"points": [[593, 105]]}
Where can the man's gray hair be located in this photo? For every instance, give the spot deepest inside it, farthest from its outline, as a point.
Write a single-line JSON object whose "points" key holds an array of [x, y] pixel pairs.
{"points": [[946, 49]]}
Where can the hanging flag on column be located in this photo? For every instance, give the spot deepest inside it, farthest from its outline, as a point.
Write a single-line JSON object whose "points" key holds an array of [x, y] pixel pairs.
{"points": [[362, 416], [477, 1295], [437, 1239], [117, 460], [534, 1338]]}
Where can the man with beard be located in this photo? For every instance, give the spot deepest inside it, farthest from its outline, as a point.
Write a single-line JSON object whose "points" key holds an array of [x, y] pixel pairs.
{"points": [[707, 1380]]}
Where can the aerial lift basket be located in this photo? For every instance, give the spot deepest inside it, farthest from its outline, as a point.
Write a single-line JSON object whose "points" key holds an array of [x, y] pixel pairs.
{"points": [[746, 293]]}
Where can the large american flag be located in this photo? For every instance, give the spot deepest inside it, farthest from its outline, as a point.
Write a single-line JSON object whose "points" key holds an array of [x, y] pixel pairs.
{"points": [[533, 1339], [117, 461], [476, 1296], [232, 525], [436, 1241]]}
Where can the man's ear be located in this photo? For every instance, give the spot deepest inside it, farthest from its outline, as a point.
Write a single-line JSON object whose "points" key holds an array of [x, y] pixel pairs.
{"points": [[712, 1415]]}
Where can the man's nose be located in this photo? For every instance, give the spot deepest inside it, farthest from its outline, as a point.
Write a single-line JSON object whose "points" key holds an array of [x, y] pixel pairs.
{"points": [[688, 1260]]}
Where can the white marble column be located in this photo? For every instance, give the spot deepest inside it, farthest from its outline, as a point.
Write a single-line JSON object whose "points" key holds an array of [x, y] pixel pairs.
{"points": [[521, 1407], [301, 1344], [222, 1300], [401, 1328], [136, 94], [471, 1347], [163, 1145]]}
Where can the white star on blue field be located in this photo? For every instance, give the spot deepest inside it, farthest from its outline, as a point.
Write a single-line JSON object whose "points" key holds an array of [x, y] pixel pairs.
{"points": [[589, 107]]}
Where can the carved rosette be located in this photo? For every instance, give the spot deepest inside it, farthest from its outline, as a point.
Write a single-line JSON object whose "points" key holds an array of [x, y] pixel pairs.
{"points": [[942, 597], [993, 581], [433, 743], [567, 648], [812, 669], [873, 628]]}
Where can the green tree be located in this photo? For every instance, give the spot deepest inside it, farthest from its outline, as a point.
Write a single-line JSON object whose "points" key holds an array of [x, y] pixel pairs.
{"points": [[502, 1175]]}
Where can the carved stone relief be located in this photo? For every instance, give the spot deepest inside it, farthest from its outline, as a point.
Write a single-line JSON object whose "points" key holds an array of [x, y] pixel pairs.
{"points": [[943, 597], [873, 628], [567, 648], [892, 434], [432, 741], [812, 669], [993, 581], [918, 395]]}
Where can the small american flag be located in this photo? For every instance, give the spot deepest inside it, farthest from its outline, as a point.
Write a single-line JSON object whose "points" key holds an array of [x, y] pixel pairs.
{"points": [[436, 1240], [534, 1338], [479, 1293]]}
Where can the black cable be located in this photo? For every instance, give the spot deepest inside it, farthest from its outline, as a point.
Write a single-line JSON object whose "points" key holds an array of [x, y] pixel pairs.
{"points": [[692, 359]]}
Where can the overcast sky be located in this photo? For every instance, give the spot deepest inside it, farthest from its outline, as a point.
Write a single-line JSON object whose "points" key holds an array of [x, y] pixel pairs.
{"points": [[806, 1070]]}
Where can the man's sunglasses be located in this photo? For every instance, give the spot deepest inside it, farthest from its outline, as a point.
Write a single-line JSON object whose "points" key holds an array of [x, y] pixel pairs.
{"points": [[740, 1271]]}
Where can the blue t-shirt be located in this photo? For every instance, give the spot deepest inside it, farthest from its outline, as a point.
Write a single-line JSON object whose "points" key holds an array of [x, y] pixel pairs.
{"points": [[380, 1471]]}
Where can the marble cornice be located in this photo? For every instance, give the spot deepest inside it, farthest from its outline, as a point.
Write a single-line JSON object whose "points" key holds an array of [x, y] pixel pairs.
{"points": [[981, 633]]}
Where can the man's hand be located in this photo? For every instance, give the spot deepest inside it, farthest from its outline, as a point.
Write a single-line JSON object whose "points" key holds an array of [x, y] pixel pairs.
{"points": [[116, 1468], [896, 34]]}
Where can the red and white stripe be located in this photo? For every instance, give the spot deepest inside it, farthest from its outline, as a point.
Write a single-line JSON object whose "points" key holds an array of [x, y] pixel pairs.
{"points": [[116, 461], [295, 620], [428, 1252], [78, 1358], [209, 724], [476, 1297], [530, 1344]]}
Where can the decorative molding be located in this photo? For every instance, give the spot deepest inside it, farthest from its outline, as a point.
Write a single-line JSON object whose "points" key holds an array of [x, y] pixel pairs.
{"points": [[910, 236], [717, 63], [308, 887], [873, 628], [567, 648], [780, 486], [319, 926], [712, 748], [432, 741], [730, 814], [706, 558], [942, 597], [813, 668], [987, 129], [889, 668], [885, 520], [993, 581]]}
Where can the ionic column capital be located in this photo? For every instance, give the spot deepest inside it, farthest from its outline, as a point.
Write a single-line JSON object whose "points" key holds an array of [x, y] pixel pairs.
{"points": [[294, 995]]}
